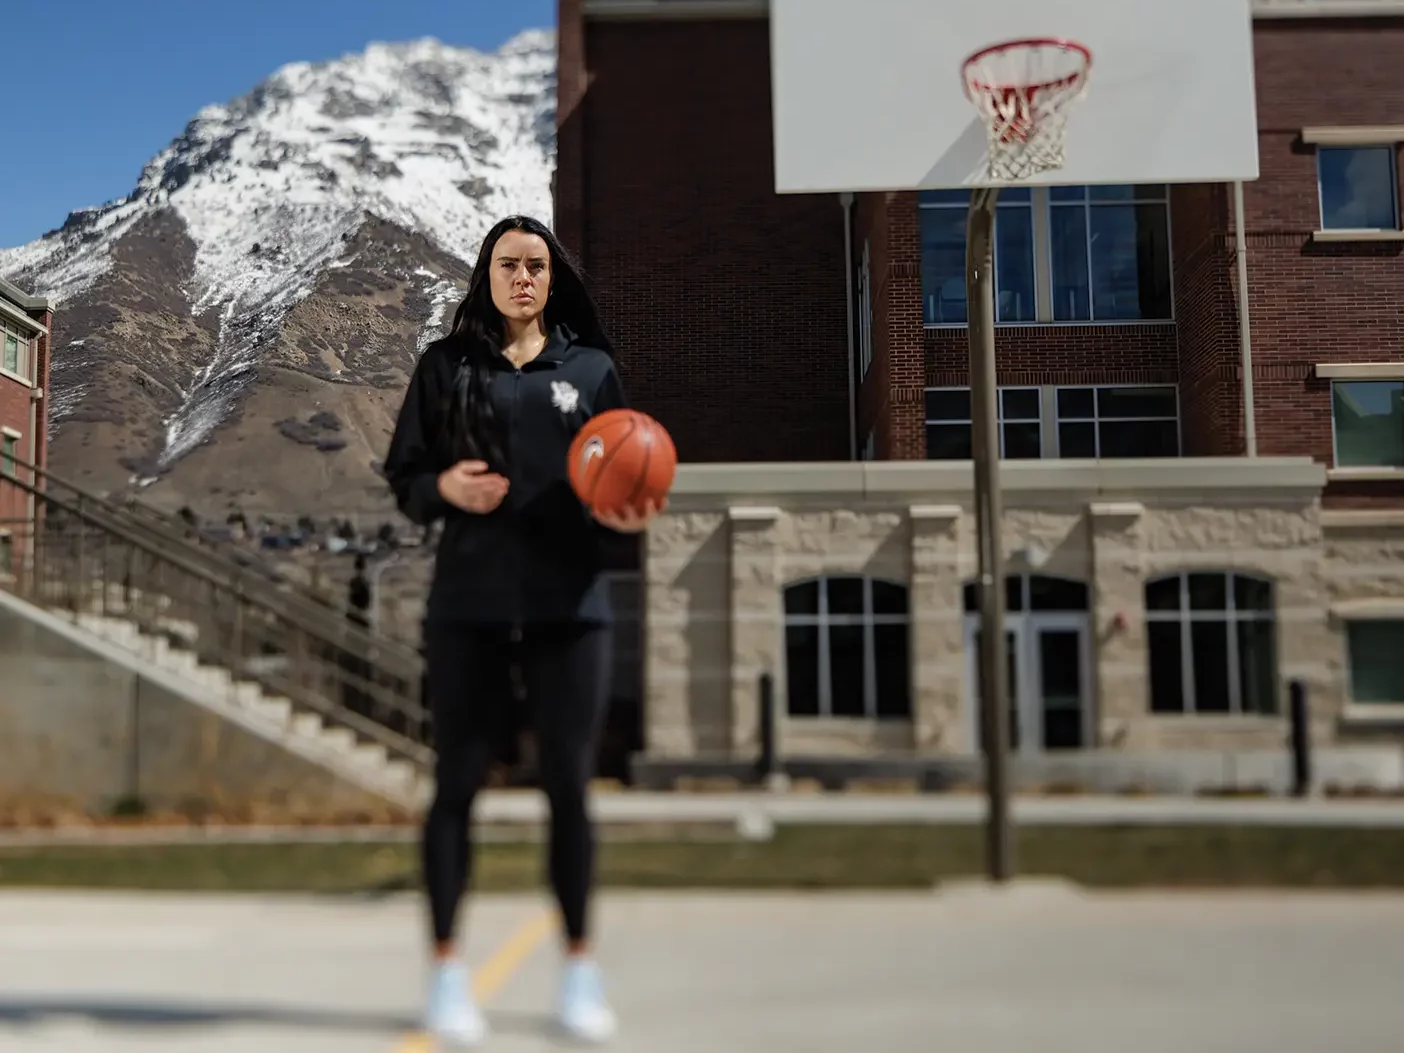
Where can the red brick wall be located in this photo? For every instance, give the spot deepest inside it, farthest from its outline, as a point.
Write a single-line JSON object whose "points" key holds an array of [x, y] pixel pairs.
{"points": [[727, 300], [741, 292], [14, 410], [1206, 316], [42, 379], [14, 413], [891, 403], [1074, 354], [1340, 302], [45, 355]]}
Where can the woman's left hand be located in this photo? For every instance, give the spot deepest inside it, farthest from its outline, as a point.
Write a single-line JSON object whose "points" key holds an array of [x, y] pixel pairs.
{"points": [[630, 520]]}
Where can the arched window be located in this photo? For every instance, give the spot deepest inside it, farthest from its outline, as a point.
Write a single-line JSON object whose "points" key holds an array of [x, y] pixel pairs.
{"points": [[846, 648], [1213, 643], [1033, 592]]}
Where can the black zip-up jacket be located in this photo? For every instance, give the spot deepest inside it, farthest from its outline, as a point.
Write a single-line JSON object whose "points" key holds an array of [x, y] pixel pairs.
{"points": [[539, 556]]}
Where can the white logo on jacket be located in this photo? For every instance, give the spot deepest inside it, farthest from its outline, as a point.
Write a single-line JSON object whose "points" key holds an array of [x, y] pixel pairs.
{"points": [[564, 396]]}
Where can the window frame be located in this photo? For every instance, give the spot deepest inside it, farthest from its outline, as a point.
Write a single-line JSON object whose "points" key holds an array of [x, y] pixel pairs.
{"points": [[1041, 205], [1391, 152], [1394, 705], [24, 348], [1335, 434], [9, 454], [1001, 205], [1096, 420], [927, 421], [1049, 445], [1228, 617], [822, 620], [1087, 204]]}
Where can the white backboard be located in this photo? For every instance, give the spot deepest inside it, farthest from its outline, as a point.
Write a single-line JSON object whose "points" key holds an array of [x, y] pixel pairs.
{"points": [[868, 94]]}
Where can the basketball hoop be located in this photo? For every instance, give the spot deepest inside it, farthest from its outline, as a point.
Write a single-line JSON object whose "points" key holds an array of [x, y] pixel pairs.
{"points": [[1024, 89]]}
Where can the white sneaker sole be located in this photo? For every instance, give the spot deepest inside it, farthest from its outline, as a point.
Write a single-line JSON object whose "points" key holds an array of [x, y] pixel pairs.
{"points": [[458, 1038], [594, 1033]]}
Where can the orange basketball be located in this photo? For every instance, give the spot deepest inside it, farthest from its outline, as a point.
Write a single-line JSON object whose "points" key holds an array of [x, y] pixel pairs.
{"points": [[620, 460]]}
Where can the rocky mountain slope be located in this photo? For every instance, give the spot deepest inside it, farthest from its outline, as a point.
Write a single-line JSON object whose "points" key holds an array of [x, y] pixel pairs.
{"points": [[237, 331]]}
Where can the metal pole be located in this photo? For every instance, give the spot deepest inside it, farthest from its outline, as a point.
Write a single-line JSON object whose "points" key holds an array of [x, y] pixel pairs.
{"points": [[1245, 329], [850, 314], [766, 767], [994, 708], [1300, 739], [373, 580]]}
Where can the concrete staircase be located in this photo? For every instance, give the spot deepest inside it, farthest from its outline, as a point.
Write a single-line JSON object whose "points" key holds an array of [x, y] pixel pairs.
{"points": [[101, 603], [337, 750]]}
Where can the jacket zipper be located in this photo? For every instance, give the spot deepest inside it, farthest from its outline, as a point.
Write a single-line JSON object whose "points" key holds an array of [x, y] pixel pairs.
{"points": [[512, 446]]}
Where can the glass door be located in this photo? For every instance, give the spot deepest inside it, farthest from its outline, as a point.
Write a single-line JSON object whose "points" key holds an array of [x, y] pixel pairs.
{"points": [[1049, 675], [1059, 685]]}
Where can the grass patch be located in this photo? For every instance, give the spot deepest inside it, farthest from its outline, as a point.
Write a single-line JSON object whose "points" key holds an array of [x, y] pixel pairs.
{"points": [[809, 857]]}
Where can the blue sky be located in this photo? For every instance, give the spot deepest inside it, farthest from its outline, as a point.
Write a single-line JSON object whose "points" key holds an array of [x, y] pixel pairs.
{"points": [[113, 82]]}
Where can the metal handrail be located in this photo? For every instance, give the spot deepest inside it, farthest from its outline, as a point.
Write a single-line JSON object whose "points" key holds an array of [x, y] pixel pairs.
{"points": [[255, 636], [253, 576], [136, 514]]}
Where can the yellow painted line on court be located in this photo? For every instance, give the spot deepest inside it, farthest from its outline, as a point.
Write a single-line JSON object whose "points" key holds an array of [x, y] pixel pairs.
{"points": [[490, 977], [494, 973], [416, 1043]]}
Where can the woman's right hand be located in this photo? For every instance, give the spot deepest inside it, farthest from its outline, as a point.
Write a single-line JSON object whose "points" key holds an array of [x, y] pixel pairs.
{"points": [[470, 486]]}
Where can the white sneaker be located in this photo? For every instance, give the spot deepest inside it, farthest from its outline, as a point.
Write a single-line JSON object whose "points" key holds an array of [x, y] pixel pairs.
{"points": [[452, 1016], [584, 1014]]}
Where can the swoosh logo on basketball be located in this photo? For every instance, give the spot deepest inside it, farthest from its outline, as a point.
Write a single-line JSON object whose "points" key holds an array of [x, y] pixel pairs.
{"points": [[594, 447]]}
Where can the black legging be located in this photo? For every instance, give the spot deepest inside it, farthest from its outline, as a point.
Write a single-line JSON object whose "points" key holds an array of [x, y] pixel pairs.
{"points": [[565, 670]]}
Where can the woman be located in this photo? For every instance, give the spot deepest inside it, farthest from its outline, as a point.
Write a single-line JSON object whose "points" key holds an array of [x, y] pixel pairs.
{"points": [[481, 441]]}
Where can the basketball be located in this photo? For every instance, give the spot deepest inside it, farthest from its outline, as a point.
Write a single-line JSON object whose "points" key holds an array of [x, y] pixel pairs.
{"points": [[622, 459]]}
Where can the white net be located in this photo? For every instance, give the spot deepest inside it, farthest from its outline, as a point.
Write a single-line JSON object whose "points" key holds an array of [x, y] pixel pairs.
{"points": [[1024, 90]]}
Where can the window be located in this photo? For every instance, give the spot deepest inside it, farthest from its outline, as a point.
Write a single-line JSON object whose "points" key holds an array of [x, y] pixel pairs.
{"points": [[1110, 421], [1368, 419], [865, 314], [948, 432], [1373, 649], [846, 648], [1118, 422], [1212, 642], [9, 451], [942, 216], [1358, 187], [13, 358], [1109, 250], [7, 553], [1033, 592], [1061, 254]]}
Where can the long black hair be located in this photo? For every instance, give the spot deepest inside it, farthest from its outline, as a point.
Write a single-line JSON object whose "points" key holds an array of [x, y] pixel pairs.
{"points": [[478, 334]]}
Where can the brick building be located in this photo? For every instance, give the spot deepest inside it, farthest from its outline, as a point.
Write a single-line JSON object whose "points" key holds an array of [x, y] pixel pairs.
{"points": [[25, 324], [1168, 575]]}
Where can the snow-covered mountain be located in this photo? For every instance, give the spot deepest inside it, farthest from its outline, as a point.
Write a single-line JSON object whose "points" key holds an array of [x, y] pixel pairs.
{"points": [[308, 236]]}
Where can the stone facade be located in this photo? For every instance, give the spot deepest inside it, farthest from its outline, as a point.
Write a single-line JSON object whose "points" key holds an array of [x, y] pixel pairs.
{"points": [[87, 736], [1363, 579], [717, 564]]}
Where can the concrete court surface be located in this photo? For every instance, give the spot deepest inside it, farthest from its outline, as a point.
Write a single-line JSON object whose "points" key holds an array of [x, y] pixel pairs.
{"points": [[1040, 968]]}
